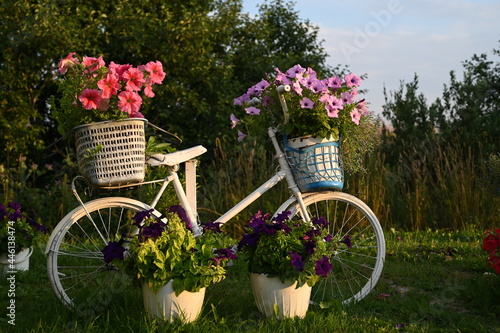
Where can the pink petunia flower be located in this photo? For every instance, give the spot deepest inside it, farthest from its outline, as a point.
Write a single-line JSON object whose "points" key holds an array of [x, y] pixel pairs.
{"points": [[90, 99], [118, 70], [148, 91], [241, 136], [109, 85], [355, 116], [294, 71], [332, 111], [136, 115], [242, 99], [347, 97], [252, 110], [352, 80], [129, 102], [234, 121], [67, 62], [92, 63], [306, 103], [155, 70], [134, 79]]}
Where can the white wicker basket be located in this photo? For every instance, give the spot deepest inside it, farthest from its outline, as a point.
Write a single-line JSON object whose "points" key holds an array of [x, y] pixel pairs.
{"points": [[112, 153]]}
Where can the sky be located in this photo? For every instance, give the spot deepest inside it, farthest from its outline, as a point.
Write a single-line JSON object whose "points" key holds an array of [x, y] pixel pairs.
{"points": [[392, 40]]}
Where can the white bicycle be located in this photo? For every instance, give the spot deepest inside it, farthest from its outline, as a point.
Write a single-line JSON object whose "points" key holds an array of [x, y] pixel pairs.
{"points": [[78, 273]]}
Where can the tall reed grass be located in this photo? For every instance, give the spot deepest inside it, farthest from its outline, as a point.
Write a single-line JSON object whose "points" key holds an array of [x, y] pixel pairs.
{"points": [[436, 186]]}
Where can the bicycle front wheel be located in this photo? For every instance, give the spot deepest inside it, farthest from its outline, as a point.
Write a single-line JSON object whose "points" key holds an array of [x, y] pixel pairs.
{"points": [[359, 257], [79, 276]]}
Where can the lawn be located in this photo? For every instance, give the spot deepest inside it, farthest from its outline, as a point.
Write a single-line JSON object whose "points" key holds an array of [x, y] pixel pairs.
{"points": [[433, 281]]}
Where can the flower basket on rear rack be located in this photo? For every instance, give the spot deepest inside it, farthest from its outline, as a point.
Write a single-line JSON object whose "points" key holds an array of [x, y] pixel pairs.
{"points": [[315, 163], [112, 153]]}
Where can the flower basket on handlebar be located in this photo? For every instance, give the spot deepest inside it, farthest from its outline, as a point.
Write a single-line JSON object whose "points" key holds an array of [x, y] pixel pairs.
{"points": [[112, 153], [315, 163]]}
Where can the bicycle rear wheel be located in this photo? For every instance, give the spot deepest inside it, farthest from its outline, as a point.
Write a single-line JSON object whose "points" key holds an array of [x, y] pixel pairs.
{"points": [[79, 276], [359, 257]]}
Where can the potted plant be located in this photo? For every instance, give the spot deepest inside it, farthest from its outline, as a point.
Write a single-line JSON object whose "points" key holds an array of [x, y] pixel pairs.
{"points": [[286, 257], [101, 105], [173, 266], [310, 111], [20, 230]]}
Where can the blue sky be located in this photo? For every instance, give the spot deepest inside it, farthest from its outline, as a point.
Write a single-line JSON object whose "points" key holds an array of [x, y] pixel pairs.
{"points": [[391, 40]]}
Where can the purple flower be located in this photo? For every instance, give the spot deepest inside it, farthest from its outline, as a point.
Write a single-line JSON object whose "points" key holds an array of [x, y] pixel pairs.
{"points": [[282, 226], [295, 70], [347, 241], [328, 238], [226, 253], [242, 99], [141, 216], [306, 103], [234, 121], [248, 240], [311, 234], [310, 247], [16, 215], [114, 250], [252, 110], [181, 212], [14, 205], [212, 226], [153, 230], [241, 136], [352, 80], [296, 261], [323, 266], [320, 222], [283, 216]]}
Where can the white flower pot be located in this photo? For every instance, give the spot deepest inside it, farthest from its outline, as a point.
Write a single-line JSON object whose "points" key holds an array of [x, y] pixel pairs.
{"points": [[315, 163], [21, 261], [166, 305], [270, 294]]}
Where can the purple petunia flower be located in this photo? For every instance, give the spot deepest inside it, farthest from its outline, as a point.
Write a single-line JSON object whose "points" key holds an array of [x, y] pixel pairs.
{"points": [[212, 226], [181, 212], [153, 230], [141, 216], [283, 216], [352, 80], [306, 103], [320, 222], [14, 205], [323, 266], [310, 247], [297, 262], [347, 241], [114, 250], [328, 238], [248, 240]]}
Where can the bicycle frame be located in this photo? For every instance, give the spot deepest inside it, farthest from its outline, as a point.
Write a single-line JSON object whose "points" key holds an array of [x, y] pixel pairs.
{"points": [[188, 197]]}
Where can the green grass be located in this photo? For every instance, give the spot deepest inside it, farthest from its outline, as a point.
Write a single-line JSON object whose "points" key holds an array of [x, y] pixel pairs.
{"points": [[433, 281]]}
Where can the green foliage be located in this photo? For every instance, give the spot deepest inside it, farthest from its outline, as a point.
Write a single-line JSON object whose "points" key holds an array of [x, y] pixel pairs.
{"points": [[425, 294], [175, 254], [19, 228], [289, 249]]}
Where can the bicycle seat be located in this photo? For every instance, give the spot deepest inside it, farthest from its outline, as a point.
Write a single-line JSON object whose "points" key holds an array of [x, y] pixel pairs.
{"points": [[177, 157]]}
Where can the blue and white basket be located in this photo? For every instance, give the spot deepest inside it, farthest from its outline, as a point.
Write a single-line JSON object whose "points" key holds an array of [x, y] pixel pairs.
{"points": [[315, 162]]}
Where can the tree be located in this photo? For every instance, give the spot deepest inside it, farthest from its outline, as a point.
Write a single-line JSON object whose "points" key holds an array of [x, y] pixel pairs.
{"points": [[205, 47]]}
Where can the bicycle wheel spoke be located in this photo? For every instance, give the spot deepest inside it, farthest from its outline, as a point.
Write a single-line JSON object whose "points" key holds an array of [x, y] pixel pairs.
{"points": [[357, 264], [76, 266]]}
